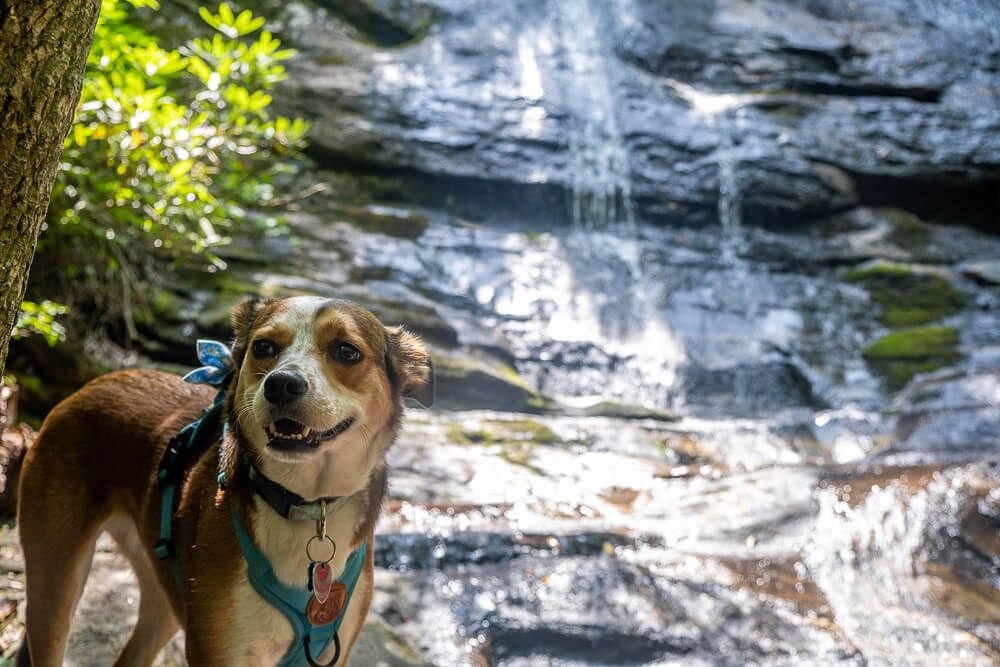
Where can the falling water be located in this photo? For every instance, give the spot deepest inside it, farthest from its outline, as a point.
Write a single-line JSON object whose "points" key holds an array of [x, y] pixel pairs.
{"points": [[730, 207], [598, 165], [730, 195]]}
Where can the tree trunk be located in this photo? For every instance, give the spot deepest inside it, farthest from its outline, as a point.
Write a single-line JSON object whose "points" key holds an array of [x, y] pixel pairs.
{"points": [[43, 51]]}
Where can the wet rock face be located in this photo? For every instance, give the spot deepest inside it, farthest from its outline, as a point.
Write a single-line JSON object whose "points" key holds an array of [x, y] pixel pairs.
{"points": [[576, 105], [952, 414]]}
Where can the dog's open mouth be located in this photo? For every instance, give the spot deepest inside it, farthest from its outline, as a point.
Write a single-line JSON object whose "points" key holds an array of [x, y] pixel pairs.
{"points": [[288, 434]]}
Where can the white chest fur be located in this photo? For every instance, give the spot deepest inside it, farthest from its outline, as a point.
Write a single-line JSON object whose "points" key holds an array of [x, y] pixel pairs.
{"points": [[260, 634]]}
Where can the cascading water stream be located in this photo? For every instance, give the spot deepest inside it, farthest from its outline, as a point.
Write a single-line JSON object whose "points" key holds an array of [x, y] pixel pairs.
{"points": [[598, 160], [730, 205], [728, 156]]}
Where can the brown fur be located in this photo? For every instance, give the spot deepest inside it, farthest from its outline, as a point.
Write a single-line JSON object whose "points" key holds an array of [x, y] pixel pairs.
{"points": [[94, 465]]}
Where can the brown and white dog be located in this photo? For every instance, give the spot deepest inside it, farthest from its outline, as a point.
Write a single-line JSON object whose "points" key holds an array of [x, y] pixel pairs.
{"points": [[305, 368]]}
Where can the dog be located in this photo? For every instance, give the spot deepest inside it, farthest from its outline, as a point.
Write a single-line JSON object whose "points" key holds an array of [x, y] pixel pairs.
{"points": [[314, 402]]}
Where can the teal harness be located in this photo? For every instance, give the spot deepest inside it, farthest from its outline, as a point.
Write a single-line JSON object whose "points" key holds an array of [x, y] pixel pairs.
{"points": [[291, 601]]}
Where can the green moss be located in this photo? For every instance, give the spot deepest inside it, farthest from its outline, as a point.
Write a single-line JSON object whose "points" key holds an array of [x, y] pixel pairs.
{"points": [[374, 188], [361, 274], [333, 60], [514, 431], [391, 222], [628, 411], [463, 436], [519, 454], [906, 298], [527, 430], [908, 231], [900, 355], [510, 374], [539, 404]]}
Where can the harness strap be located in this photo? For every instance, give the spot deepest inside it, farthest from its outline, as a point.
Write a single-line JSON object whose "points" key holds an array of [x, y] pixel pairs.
{"points": [[291, 601], [172, 466]]}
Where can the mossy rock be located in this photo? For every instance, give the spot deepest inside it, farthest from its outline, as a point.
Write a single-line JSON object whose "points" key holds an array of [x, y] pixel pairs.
{"points": [[629, 411], [907, 230], [396, 222], [526, 431], [470, 383], [905, 297], [470, 436], [362, 274], [900, 355], [356, 189], [521, 454]]}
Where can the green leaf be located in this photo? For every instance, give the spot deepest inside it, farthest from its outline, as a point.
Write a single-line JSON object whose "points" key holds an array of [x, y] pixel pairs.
{"points": [[247, 23], [208, 17], [40, 318], [226, 14]]}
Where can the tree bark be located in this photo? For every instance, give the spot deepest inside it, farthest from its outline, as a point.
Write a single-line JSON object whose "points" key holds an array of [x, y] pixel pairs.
{"points": [[43, 52]]}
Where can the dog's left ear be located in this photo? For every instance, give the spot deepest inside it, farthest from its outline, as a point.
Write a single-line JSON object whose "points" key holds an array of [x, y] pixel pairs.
{"points": [[409, 365], [244, 316]]}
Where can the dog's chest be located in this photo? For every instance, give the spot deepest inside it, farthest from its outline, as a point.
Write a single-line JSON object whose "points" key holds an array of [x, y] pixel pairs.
{"points": [[259, 633]]}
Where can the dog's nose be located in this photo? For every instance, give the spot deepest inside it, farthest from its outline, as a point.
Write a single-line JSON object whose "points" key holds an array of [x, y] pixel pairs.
{"points": [[283, 387]]}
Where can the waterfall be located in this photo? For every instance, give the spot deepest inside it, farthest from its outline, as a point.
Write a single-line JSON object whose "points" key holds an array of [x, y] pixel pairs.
{"points": [[730, 194], [730, 206], [601, 189]]}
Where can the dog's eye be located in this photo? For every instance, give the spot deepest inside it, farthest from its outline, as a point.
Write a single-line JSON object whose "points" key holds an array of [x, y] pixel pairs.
{"points": [[345, 353], [264, 349]]}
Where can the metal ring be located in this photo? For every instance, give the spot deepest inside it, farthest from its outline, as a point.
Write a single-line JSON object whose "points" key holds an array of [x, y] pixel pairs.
{"points": [[309, 548]]}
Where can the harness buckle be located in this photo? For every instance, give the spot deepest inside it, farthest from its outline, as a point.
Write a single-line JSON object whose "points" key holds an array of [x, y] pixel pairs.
{"points": [[168, 465], [165, 549]]}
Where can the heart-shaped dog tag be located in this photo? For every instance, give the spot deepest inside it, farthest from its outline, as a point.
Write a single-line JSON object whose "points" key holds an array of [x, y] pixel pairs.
{"points": [[322, 579]]}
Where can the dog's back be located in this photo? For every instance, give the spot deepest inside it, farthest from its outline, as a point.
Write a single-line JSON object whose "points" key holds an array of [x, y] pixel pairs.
{"points": [[95, 457]]}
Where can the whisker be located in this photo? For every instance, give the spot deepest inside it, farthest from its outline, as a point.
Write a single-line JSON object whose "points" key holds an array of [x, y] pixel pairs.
{"points": [[368, 439]]}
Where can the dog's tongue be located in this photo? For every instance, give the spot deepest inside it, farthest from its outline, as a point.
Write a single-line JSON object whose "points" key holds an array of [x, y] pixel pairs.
{"points": [[287, 427]]}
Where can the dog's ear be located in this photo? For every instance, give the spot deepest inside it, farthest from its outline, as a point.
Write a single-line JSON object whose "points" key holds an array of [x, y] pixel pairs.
{"points": [[244, 316], [409, 366]]}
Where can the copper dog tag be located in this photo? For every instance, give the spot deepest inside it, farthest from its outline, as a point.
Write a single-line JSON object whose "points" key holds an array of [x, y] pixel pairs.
{"points": [[323, 613]]}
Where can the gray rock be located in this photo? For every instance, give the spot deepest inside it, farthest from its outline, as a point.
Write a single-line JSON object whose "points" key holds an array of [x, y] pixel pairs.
{"points": [[985, 272], [807, 108], [949, 415], [379, 646]]}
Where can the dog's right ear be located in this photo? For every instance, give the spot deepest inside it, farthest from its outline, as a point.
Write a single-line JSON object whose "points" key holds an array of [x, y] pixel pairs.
{"points": [[244, 317]]}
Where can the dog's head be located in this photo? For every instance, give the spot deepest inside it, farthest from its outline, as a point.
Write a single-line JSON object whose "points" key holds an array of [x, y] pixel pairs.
{"points": [[316, 373]]}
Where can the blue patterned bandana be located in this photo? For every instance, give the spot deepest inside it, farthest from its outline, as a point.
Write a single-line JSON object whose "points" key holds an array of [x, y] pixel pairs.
{"points": [[218, 362]]}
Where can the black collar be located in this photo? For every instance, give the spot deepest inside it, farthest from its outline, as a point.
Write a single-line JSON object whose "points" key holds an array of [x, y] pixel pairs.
{"points": [[289, 504]]}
